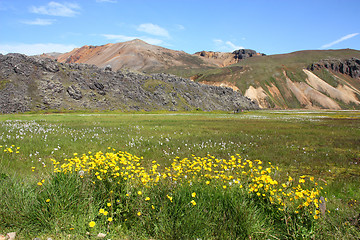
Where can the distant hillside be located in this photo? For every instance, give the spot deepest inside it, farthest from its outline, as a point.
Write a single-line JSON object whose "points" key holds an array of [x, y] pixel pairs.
{"points": [[323, 79], [34, 83], [51, 55]]}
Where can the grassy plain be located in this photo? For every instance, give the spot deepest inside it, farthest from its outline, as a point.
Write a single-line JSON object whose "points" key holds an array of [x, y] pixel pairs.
{"points": [[323, 144]]}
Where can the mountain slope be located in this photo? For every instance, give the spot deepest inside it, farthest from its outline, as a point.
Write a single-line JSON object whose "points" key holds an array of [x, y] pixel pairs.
{"points": [[33, 83], [290, 81]]}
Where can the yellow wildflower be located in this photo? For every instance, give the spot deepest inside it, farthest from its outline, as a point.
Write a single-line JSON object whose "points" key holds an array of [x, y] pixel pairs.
{"points": [[92, 224]]}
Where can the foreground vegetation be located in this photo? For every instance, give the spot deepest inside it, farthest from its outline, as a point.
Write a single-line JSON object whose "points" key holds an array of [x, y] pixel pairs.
{"points": [[181, 176]]}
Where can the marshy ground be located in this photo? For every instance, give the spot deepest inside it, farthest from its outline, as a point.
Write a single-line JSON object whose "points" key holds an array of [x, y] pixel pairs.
{"points": [[324, 146]]}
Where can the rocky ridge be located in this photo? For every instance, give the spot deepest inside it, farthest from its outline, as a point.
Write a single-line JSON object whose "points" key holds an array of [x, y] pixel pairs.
{"points": [[33, 83], [349, 67], [223, 59]]}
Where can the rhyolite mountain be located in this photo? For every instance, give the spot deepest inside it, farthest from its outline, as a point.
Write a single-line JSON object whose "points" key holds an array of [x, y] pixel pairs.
{"points": [[141, 56], [136, 55], [35, 83]]}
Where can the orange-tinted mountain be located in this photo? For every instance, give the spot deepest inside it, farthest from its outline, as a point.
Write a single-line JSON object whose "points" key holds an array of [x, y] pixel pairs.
{"points": [[141, 56], [135, 55]]}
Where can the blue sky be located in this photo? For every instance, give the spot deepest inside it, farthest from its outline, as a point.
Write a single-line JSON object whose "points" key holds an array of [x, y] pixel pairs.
{"points": [[267, 26]]}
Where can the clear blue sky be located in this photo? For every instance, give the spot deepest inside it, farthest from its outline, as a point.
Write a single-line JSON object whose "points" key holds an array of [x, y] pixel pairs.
{"points": [[268, 26]]}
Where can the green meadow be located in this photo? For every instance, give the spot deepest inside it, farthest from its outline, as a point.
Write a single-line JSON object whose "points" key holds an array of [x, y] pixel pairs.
{"points": [[321, 145]]}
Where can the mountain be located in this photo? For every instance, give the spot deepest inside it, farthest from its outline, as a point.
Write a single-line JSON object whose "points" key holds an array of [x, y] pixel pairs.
{"points": [[34, 83], [141, 56], [136, 55], [313, 79]]}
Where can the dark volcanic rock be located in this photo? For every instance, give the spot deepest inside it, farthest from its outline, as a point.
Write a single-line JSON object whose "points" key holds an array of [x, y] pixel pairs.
{"points": [[74, 92], [223, 59], [349, 67], [246, 53], [32, 83]]}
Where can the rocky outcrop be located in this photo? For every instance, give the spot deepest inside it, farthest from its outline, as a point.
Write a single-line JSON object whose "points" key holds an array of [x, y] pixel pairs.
{"points": [[210, 54], [32, 84], [245, 53], [223, 59], [349, 67]]}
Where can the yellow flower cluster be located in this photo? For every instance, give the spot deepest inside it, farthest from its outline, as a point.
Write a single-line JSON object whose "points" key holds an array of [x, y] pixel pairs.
{"points": [[253, 177], [11, 149], [110, 166], [102, 211], [209, 168], [291, 195]]}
